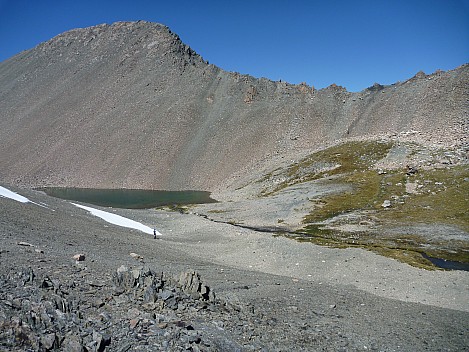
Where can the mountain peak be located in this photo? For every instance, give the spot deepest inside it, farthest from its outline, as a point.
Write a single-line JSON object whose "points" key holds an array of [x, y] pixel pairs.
{"points": [[103, 41], [129, 105]]}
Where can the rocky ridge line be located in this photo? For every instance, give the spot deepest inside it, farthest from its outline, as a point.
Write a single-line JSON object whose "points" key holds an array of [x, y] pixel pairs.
{"points": [[75, 110]]}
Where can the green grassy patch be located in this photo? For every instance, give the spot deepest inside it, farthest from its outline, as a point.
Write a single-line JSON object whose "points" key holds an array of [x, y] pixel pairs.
{"points": [[365, 195], [408, 250], [403, 252], [443, 198], [183, 209], [340, 159], [349, 156], [432, 197]]}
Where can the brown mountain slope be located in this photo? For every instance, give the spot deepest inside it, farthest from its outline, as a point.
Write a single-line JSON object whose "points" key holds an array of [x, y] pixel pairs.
{"points": [[129, 105]]}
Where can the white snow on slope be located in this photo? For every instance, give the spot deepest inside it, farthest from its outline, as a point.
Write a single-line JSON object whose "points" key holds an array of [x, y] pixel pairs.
{"points": [[111, 218], [6, 193], [118, 220]]}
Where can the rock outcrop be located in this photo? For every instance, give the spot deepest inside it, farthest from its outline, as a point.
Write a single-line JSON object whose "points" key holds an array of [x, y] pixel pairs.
{"points": [[41, 313], [139, 309]]}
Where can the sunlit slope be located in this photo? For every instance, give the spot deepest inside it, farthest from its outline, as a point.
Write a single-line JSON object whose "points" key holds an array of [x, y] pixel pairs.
{"points": [[129, 105]]}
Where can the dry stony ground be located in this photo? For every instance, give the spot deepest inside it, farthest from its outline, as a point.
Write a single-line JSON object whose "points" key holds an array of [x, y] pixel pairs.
{"points": [[272, 294]]}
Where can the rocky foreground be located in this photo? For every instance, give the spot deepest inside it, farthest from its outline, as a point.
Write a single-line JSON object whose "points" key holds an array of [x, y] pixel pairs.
{"points": [[144, 310], [206, 286], [139, 309]]}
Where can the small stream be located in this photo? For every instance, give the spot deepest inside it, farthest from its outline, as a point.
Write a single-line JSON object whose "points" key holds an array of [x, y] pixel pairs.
{"points": [[438, 262], [447, 264]]}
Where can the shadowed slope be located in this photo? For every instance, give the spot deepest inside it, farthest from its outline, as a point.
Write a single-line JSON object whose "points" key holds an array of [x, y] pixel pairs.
{"points": [[129, 105]]}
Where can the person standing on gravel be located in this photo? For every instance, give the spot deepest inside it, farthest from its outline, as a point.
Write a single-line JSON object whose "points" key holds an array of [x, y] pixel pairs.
{"points": [[154, 233]]}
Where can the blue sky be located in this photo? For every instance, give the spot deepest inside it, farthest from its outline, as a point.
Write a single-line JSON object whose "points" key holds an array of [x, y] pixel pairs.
{"points": [[351, 43]]}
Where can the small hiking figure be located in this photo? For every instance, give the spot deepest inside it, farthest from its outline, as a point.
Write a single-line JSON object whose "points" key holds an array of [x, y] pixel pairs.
{"points": [[154, 234]]}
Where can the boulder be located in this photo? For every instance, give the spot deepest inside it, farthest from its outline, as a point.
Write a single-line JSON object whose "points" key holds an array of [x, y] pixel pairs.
{"points": [[79, 257], [386, 204]]}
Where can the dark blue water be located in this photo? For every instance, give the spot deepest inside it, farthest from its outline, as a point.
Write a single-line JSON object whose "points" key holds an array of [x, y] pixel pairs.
{"points": [[129, 198], [447, 264]]}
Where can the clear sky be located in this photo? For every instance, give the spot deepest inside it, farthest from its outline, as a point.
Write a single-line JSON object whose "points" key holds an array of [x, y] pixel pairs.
{"points": [[351, 43]]}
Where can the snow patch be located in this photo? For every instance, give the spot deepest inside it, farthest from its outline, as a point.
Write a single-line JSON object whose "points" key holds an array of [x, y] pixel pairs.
{"points": [[6, 193], [110, 218], [118, 220]]}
